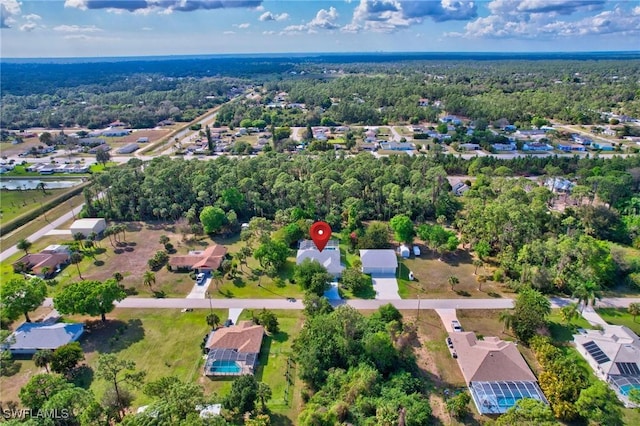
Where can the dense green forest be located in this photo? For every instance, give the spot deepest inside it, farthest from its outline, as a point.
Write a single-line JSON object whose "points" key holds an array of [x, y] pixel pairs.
{"points": [[372, 93], [506, 218]]}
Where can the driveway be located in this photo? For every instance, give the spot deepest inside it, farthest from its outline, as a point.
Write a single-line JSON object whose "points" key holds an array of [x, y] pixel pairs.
{"points": [[446, 316], [386, 288], [200, 291]]}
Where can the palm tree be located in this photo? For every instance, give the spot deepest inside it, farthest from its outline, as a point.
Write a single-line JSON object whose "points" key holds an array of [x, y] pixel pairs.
{"points": [[477, 263], [42, 186], [93, 237], [108, 232], [149, 278], [217, 277], [76, 258], [570, 312], [634, 309], [118, 277], [453, 280], [42, 358], [24, 244], [506, 318], [263, 394], [213, 320], [78, 236], [46, 270], [587, 293]]}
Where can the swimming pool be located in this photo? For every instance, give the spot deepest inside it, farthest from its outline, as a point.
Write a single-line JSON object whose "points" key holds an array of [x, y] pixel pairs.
{"points": [[625, 389], [229, 367]]}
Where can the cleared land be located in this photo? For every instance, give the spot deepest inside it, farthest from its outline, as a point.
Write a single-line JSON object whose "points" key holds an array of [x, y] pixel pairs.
{"points": [[17, 203]]}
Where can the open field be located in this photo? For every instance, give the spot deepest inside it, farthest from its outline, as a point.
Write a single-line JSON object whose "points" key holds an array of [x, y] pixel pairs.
{"points": [[432, 275], [9, 150], [16, 203], [41, 221]]}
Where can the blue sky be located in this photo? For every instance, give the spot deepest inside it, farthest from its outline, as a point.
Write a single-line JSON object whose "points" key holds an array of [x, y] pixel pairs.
{"points": [[70, 28]]}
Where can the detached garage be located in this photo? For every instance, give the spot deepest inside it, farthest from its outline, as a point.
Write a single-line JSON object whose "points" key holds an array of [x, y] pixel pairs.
{"points": [[87, 226], [379, 262]]}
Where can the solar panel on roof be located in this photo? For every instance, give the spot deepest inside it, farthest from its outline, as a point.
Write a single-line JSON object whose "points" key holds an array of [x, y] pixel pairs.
{"points": [[628, 368], [596, 353]]}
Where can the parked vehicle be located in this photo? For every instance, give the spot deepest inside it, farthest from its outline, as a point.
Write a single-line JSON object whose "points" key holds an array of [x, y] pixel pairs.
{"points": [[456, 325]]}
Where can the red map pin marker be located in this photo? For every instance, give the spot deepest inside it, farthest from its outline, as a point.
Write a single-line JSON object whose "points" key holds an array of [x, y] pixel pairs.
{"points": [[320, 234]]}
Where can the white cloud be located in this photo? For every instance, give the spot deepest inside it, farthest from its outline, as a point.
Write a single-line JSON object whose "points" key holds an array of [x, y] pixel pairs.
{"points": [[164, 6], [392, 15], [268, 32], [8, 10], [532, 19], [242, 26], [28, 27], [32, 17], [324, 19], [268, 16], [229, 32], [77, 29], [146, 29]]}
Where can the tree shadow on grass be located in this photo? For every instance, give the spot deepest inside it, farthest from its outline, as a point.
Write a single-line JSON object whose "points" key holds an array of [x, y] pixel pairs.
{"points": [[366, 293], [239, 282], [128, 249], [263, 358], [463, 293], [118, 251], [226, 293], [562, 332], [98, 262], [83, 376], [610, 312], [457, 257], [111, 336], [280, 336], [278, 419]]}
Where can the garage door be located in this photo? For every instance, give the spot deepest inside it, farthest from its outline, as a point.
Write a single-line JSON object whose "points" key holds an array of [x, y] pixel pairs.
{"points": [[384, 272]]}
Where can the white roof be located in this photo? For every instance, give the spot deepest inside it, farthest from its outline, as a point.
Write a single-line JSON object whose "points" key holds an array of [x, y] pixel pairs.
{"points": [[329, 258], [87, 223], [378, 258], [617, 342]]}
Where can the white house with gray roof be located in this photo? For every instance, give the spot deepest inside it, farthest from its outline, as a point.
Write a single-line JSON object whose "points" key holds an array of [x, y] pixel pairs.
{"points": [[380, 262], [614, 355], [329, 257], [33, 336]]}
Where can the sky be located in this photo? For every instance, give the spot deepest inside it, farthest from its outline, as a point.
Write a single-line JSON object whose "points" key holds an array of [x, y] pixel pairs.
{"points": [[99, 28]]}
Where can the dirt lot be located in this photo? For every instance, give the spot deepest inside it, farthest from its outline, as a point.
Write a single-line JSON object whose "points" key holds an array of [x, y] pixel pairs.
{"points": [[8, 149], [153, 135]]}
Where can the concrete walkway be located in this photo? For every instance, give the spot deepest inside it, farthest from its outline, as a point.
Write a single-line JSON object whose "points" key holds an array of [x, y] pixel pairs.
{"points": [[592, 316], [65, 232]]}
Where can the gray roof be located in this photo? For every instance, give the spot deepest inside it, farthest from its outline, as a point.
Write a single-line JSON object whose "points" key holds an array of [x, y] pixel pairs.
{"points": [[44, 336], [329, 258], [378, 258]]}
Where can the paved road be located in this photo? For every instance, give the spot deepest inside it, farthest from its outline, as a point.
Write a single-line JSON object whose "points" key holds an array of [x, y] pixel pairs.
{"points": [[499, 303], [8, 252]]}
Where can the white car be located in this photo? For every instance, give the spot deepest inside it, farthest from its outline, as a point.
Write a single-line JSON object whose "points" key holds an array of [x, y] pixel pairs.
{"points": [[200, 277], [416, 251], [456, 325]]}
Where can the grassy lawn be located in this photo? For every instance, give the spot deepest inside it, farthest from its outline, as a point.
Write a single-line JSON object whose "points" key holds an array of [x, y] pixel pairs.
{"points": [[166, 342], [620, 317], [17, 203], [41, 221], [563, 332], [286, 402], [161, 342], [432, 275]]}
